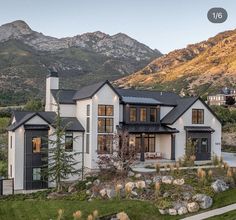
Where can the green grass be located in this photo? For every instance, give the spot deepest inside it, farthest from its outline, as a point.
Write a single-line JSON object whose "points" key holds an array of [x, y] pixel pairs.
{"points": [[227, 216], [225, 198]]}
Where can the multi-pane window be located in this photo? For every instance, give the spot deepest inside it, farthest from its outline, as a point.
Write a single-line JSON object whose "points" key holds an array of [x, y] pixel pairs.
{"points": [[87, 143], [132, 114], [105, 125], [143, 114], [198, 116], [149, 142], [69, 141], [36, 174], [105, 110], [153, 114], [105, 144], [36, 144]]}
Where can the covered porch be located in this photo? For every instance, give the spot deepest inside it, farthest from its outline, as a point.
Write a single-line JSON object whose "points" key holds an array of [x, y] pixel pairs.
{"points": [[153, 142]]}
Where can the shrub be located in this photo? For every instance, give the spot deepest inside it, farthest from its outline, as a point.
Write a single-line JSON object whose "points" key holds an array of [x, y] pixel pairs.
{"points": [[157, 167]]}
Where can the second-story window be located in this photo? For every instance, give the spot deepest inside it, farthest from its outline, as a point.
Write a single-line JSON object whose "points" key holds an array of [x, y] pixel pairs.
{"points": [[69, 141], [143, 114], [198, 116], [105, 110], [153, 114], [132, 114]]}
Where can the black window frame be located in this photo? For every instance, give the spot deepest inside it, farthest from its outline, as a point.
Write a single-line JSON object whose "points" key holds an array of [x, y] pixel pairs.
{"points": [[104, 128], [140, 114], [69, 135], [35, 180], [199, 120], [155, 115], [133, 108], [107, 139], [37, 152], [106, 110]]}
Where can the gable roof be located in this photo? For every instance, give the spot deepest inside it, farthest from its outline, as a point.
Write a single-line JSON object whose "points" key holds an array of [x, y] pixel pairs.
{"points": [[65, 95], [139, 100], [21, 117], [89, 91]]}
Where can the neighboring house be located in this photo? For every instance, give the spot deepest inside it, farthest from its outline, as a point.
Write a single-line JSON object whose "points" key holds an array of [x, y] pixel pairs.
{"points": [[159, 124], [221, 97]]}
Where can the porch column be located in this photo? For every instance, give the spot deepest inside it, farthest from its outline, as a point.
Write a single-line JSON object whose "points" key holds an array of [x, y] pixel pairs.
{"points": [[142, 157], [172, 147]]}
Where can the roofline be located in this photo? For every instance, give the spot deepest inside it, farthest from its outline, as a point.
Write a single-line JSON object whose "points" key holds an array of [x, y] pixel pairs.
{"points": [[104, 83]]}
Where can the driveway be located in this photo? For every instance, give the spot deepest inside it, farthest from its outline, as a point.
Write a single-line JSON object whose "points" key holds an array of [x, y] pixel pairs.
{"points": [[229, 158]]}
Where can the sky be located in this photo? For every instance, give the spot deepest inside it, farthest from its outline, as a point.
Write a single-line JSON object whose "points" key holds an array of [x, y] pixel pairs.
{"points": [[162, 24]]}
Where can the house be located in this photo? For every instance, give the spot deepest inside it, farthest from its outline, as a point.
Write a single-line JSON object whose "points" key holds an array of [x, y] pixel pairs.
{"points": [[159, 123], [222, 97]]}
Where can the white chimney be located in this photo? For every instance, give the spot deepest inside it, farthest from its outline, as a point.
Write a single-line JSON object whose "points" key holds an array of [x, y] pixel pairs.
{"points": [[52, 82]]}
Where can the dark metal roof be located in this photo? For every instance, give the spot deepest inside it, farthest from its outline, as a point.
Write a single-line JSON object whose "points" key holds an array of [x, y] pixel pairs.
{"points": [[52, 73], [199, 129], [183, 105], [139, 100], [65, 95], [148, 128], [21, 117]]}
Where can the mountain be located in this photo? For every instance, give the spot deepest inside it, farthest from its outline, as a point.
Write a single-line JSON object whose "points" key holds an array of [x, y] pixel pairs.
{"points": [[26, 55], [198, 69]]}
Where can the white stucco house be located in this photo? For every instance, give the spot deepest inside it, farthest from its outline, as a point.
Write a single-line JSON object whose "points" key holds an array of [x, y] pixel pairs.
{"points": [[158, 123]]}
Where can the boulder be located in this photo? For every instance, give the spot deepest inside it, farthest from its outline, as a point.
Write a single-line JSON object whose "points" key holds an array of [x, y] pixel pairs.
{"points": [[72, 188], [138, 175], [130, 174], [193, 207], [178, 182], [182, 210], [122, 216], [164, 211], [88, 183], [148, 182], [172, 212], [167, 179], [219, 186], [156, 179], [129, 185], [111, 193], [88, 192], [203, 200], [103, 192], [140, 184], [186, 196], [96, 182], [133, 193], [166, 195]]}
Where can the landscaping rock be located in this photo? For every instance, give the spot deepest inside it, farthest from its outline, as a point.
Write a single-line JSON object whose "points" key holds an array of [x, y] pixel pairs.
{"points": [[88, 192], [148, 182], [72, 188], [186, 196], [182, 210], [129, 185], [130, 174], [193, 207], [167, 179], [96, 182], [134, 193], [103, 192], [164, 211], [88, 183], [140, 184], [172, 212], [219, 186], [166, 195], [111, 193], [56, 195], [204, 201], [178, 182], [122, 216], [156, 179], [138, 175]]}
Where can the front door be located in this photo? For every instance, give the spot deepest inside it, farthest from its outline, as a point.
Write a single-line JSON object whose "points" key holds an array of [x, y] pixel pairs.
{"points": [[203, 145]]}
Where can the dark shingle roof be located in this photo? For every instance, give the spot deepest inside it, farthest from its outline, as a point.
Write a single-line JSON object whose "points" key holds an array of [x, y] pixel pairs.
{"points": [[65, 95], [182, 105], [139, 100], [21, 117]]}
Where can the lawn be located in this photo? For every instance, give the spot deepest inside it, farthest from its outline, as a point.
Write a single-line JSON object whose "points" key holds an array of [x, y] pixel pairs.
{"points": [[137, 210], [228, 215]]}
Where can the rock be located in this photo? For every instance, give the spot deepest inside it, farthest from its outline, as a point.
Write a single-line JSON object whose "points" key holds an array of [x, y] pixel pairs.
{"points": [[219, 186], [156, 179], [193, 207], [56, 195], [111, 193], [172, 212], [96, 182], [88, 183], [186, 196], [182, 210], [72, 188], [103, 192], [164, 211], [134, 193], [166, 194], [148, 182], [129, 185], [167, 179], [178, 182], [138, 175], [130, 174], [88, 192], [204, 201], [122, 216], [140, 184]]}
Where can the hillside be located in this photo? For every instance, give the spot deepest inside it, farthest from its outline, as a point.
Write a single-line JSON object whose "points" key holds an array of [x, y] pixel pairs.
{"points": [[26, 55], [197, 69]]}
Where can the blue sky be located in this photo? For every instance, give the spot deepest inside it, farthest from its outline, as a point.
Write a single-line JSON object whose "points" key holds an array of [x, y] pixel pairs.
{"points": [[161, 24]]}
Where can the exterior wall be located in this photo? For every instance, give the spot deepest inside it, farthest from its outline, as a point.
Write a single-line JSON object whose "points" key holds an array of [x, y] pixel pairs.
{"points": [[186, 120], [165, 110], [105, 96], [51, 83], [67, 110], [121, 113], [165, 145]]}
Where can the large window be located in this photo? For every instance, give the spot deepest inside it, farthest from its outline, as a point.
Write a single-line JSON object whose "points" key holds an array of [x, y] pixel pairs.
{"points": [[153, 114], [143, 114], [88, 124], [36, 174], [149, 142], [36, 144], [105, 144], [105, 125], [87, 143], [69, 141], [198, 116], [105, 110], [132, 114]]}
